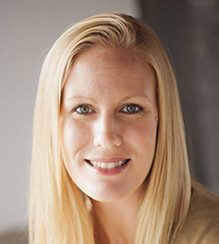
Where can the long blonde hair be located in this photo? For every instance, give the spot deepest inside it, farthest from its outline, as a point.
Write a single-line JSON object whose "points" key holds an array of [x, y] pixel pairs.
{"points": [[57, 210]]}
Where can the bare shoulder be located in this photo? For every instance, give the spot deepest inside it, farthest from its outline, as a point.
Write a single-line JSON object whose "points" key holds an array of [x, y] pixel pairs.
{"points": [[202, 222]]}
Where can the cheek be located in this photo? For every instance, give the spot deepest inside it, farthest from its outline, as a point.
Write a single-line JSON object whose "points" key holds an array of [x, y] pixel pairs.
{"points": [[143, 134], [73, 138], [143, 144]]}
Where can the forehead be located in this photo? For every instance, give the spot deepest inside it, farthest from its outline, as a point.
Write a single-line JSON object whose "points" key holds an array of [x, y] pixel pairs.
{"points": [[106, 69]]}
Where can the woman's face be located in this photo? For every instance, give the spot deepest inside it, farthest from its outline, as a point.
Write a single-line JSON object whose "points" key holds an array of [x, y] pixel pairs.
{"points": [[109, 122]]}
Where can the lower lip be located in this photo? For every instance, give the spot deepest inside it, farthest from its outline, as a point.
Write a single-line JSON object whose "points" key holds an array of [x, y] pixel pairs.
{"points": [[109, 172]]}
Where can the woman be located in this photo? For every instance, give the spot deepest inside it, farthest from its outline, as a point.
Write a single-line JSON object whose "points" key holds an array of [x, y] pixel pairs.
{"points": [[109, 161]]}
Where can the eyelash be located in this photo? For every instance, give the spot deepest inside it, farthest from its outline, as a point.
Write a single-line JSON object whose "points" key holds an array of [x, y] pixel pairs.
{"points": [[137, 109]]}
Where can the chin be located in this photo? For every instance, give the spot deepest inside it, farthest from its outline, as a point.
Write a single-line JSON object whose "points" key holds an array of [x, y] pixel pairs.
{"points": [[106, 196]]}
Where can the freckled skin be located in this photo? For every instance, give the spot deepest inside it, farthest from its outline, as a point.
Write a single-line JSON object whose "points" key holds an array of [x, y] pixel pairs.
{"points": [[106, 80]]}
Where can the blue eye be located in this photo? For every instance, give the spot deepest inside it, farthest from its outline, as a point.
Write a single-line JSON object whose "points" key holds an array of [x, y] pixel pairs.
{"points": [[131, 109], [83, 109]]}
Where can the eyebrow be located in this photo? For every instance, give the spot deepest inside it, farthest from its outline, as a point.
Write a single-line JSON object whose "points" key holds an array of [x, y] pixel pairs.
{"points": [[123, 99]]}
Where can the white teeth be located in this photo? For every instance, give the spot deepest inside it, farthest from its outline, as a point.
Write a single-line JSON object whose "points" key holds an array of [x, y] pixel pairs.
{"points": [[120, 163], [103, 166], [111, 165]]}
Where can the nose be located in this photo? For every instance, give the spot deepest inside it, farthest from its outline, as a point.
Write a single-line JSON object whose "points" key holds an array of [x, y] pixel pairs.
{"points": [[107, 133]]}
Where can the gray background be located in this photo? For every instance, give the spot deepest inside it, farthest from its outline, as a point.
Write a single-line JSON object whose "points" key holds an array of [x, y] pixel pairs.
{"points": [[27, 31], [28, 28]]}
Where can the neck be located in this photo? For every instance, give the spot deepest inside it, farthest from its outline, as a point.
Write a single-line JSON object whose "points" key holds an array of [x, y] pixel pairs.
{"points": [[115, 222]]}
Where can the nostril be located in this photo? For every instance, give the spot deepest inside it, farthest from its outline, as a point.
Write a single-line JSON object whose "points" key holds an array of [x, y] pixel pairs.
{"points": [[107, 140]]}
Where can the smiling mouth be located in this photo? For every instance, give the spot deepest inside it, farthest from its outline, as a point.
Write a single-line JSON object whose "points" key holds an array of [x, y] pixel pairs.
{"points": [[107, 165]]}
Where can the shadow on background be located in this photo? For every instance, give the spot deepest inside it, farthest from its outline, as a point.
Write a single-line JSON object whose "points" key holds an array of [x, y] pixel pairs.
{"points": [[189, 30], [14, 236]]}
